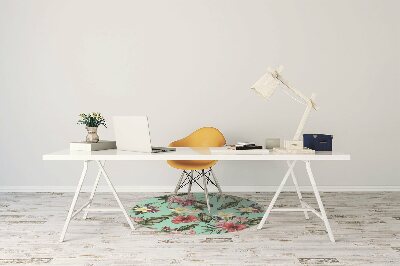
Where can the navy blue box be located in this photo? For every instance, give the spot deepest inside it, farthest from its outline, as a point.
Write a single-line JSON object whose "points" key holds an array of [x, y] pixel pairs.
{"points": [[318, 142]]}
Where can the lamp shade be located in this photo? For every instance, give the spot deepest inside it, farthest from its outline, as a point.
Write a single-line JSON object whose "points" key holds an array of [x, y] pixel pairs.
{"points": [[267, 84]]}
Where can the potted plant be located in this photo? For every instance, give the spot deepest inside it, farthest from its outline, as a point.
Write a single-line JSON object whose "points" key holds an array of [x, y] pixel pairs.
{"points": [[92, 121]]}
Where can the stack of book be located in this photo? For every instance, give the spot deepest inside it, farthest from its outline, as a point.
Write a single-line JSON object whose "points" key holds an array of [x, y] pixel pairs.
{"points": [[247, 146], [98, 146]]}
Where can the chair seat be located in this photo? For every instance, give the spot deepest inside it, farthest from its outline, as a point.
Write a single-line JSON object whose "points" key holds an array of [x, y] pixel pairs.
{"points": [[203, 137], [191, 164]]}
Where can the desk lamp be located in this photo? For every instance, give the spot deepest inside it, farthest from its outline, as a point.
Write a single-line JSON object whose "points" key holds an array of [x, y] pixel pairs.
{"points": [[266, 86]]}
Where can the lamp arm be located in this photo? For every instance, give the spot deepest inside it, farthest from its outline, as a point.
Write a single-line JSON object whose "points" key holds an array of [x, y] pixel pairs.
{"points": [[310, 105], [297, 92], [301, 98]]}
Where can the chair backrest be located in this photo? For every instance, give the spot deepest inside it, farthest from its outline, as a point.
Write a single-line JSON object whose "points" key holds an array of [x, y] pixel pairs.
{"points": [[203, 137]]}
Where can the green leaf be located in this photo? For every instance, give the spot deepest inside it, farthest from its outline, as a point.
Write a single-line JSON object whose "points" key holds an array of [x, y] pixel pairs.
{"points": [[164, 197], [253, 221], [186, 227], [205, 217], [92, 119], [198, 206], [231, 204], [153, 220]]}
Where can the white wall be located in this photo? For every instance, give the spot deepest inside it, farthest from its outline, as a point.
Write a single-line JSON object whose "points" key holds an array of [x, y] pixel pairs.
{"points": [[188, 64]]}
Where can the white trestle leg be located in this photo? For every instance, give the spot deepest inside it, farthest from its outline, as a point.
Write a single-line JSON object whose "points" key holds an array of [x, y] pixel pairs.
{"points": [[128, 219], [305, 207], [86, 207], [71, 209], [320, 205], [278, 191], [96, 182], [298, 191]]}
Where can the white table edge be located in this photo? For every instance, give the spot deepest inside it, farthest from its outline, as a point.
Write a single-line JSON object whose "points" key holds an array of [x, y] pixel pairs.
{"points": [[114, 155]]}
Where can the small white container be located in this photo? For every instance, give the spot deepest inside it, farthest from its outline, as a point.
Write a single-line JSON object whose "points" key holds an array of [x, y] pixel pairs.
{"points": [[271, 143], [293, 144]]}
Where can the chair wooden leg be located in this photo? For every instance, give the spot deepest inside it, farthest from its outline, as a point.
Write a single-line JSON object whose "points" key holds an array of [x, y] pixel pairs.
{"points": [[206, 190], [216, 181], [190, 182], [179, 183]]}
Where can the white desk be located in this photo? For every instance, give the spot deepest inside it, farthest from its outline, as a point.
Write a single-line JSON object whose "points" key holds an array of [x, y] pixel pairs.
{"points": [[100, 157]]}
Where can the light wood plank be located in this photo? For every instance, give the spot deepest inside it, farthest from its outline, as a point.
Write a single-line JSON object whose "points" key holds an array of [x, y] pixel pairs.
{"points": [[366, 227]]}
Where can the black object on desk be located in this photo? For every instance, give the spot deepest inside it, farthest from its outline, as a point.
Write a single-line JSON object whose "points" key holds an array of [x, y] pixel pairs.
{"points": [[318, 142], [248, 147]]}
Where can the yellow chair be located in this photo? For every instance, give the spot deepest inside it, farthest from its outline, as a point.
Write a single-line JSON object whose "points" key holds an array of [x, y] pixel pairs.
{"points": [[193, 170]]}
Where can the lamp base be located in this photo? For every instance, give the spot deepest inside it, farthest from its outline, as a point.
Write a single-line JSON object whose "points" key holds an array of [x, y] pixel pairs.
{"points": [[293, 151]]}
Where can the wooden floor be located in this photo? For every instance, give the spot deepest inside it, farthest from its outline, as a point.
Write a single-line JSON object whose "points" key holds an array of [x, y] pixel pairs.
{"points": [[366, 226]]}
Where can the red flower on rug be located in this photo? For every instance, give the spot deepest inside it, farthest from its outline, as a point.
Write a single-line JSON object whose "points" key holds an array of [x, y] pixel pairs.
{"points": [[187, 202], [184, 219], [166, 229], [231, 227], [183, 201], [138, 219]]}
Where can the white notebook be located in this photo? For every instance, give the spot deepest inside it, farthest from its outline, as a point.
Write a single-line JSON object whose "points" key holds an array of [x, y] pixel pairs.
{"points": [[86, 146]]}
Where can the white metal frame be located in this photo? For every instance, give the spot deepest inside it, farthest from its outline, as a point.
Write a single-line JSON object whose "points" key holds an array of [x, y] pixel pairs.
{"points": [[305, 207], [191, 154], [87, 206]]}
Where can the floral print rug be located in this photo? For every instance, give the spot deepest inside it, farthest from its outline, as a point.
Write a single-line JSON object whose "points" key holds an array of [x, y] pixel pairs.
{"points": [[188, 213]]}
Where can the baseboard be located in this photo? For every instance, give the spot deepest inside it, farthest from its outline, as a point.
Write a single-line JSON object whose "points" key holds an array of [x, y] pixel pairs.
{"points": [[212, 189]]}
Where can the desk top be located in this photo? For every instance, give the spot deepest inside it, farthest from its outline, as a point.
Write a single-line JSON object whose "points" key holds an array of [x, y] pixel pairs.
{"points": [[189, 154]]}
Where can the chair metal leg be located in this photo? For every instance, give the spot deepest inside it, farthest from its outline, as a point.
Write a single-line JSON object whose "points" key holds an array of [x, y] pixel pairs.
{"points": [[179, 183], [96, 182], [216, 181], [298, 191], [190, 182], [320, 205], [205, 189], [191, 177]]}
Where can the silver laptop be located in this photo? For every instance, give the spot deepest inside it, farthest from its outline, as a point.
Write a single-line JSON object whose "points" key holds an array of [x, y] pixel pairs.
{"points": [[132, 133]]}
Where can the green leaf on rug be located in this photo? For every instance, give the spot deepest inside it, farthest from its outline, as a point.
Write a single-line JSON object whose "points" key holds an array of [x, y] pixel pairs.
{"points": [[210, 228], [198, 205], [230, 204], [163, 197], [205, 217], [186, 227], [253, 221], [153, 220]]}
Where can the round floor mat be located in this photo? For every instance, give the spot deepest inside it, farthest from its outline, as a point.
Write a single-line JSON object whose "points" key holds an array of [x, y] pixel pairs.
{"points": [[188, 214]]}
